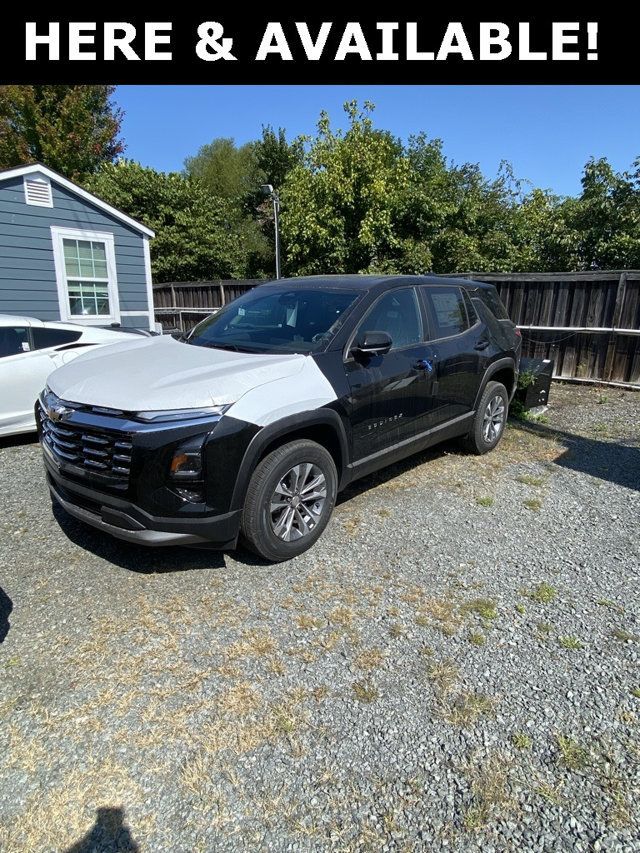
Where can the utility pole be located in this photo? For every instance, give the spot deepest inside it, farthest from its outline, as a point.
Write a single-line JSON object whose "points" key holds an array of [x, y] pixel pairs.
{"points": [[269, 191]]}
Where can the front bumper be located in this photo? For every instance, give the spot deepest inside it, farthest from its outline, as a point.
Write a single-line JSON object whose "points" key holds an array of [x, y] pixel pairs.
{"points": [[128, 522], [125, 520]]}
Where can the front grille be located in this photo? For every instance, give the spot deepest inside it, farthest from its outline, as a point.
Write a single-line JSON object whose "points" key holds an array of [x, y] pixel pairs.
{"points": [[104, 453]]}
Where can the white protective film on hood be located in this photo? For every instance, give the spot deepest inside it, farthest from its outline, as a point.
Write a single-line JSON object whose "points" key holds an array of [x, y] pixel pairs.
{"points": [[160, 373]]}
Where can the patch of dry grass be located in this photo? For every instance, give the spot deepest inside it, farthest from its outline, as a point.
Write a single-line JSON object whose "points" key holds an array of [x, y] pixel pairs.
{"points": [[490, 792], [240, 699], [365, 691], [369, 659], [64, 809], [466, 707]]}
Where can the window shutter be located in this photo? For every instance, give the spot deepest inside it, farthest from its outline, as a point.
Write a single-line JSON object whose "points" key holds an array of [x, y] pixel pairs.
{"points": [[37, 191]]}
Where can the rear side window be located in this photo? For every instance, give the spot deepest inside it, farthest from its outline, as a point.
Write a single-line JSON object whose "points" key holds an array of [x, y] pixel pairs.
{"points": [[43, 338], [489, 296], [447, 310], [13, 340]]}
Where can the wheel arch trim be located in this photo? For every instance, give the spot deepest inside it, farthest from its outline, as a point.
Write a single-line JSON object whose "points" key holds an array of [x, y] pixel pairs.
{"points": [[493, 368], [280, 430]]}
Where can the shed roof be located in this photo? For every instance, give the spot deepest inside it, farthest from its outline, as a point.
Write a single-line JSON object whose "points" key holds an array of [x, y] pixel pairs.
{"points": [[39, 168]]}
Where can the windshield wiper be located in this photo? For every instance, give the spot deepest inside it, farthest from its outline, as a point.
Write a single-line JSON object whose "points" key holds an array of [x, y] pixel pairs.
{"points": [[230, 347]]}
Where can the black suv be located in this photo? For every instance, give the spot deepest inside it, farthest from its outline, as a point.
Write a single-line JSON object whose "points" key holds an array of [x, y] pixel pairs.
{"points": [[253, 423]]}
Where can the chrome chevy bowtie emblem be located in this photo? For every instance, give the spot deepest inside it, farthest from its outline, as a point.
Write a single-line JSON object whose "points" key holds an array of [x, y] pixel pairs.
{"points": [[57, 413]]}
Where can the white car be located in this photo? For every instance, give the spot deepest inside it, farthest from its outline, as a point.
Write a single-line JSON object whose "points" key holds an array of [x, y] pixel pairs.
{"points": [[30, 350]]}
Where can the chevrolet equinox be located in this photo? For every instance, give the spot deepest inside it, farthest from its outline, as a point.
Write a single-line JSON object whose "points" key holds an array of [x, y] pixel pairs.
{"points": [[252, 423]]}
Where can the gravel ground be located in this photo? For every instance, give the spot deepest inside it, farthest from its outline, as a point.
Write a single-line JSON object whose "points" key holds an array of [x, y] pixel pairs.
{"points": [[453, 667]]}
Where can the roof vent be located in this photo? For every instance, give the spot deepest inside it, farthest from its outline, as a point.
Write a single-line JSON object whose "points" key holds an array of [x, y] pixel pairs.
{"points": [[37, 191]]}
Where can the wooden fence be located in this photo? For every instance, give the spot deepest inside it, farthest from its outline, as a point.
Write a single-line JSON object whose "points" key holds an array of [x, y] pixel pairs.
{"points": [[183, 304], [587, 322]]}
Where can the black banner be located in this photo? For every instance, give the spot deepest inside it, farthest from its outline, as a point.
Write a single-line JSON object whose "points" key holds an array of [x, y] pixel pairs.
{"points": [[216, 47]]}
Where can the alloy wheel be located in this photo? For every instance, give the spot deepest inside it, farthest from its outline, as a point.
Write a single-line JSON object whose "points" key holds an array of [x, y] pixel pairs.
{"points": [[298, 501], [494, 417]]}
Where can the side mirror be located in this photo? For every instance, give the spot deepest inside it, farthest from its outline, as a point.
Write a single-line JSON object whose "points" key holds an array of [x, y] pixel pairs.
{"points": [[372, 343]]}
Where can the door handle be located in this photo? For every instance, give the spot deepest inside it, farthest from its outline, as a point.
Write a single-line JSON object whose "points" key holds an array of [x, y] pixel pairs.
{"points": [[481, 345], [424, 364]]}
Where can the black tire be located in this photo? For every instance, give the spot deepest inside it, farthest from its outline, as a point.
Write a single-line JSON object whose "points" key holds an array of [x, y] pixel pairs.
{"points": [[257, 524], [475, 441]]}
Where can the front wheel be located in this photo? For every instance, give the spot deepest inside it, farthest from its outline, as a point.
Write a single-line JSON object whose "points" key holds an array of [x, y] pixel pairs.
{"points": [[289, 501], [490, 419]]}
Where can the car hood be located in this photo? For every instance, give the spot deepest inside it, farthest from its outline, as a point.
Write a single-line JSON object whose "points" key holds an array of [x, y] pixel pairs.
{"points": [[161, 373]]}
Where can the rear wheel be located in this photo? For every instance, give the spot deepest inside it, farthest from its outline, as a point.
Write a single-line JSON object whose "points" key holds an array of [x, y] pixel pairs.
{"points": [[490, 419], [289, 501]]}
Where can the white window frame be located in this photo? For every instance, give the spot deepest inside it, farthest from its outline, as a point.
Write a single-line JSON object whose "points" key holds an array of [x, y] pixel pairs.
{"points": [[59, 234]]}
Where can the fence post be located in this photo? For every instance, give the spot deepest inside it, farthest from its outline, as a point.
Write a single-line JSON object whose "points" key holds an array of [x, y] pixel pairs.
{"points": [[617, 314], [222, 296]]}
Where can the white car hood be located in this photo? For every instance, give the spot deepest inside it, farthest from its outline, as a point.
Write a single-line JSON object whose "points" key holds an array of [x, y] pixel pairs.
{"points": [[161, 373]]}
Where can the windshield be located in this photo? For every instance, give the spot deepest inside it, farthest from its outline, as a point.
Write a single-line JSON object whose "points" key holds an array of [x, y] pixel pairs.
{"points": [[275, 320]]}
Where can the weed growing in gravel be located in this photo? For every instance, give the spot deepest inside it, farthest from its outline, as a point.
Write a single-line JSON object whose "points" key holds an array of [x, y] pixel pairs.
{"points": [[484, 607], [544, 628], [625, 636], [444, 674], [534, 504], [543, 593], [571, 753], [521, 740], [342, 616], [307, 622], [240, 699], [636, 692], [550, 793], [365, 691], [489, 791], [521, 609], [485, 501], [252, 644], [467, 707], [606, 602], [530, 480], [422, 620], [477, 639], [570, 642], [351, 524], [369, 659], [396, 630], [442, 612]]}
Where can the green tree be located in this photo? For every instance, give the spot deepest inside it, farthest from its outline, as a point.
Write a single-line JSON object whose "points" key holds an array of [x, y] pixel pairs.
{"points": [[195, 235], [342, 205], [73, 129], [603, 224], [227, 170]]}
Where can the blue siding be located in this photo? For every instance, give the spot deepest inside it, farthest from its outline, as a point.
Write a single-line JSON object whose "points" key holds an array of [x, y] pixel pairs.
{"points": [[27, 272]]}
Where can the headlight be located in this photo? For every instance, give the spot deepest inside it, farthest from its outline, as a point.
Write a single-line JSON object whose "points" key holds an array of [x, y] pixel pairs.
{"points": [[182, 414], [186, 471]]}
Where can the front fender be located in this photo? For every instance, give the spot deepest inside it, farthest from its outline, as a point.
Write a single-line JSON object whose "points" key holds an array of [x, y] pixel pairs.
{"points": [[280, 430]]}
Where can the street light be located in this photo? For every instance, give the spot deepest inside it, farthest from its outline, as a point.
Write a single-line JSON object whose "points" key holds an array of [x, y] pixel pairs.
{"points": [[268, 190]]}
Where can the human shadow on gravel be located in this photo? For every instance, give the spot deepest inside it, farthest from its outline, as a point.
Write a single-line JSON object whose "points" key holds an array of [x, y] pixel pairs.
{"points": [[613, 461], [6, 606], [107, 835], [144, 560]]}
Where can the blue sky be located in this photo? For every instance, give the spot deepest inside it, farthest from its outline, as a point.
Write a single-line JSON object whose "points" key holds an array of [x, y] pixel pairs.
{"points": [[546, 132]]}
